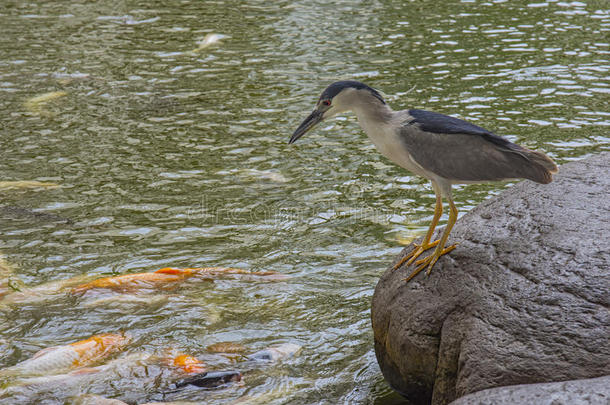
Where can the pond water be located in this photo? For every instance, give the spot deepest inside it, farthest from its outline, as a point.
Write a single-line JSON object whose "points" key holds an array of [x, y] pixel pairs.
{"points": [[173, 156]]}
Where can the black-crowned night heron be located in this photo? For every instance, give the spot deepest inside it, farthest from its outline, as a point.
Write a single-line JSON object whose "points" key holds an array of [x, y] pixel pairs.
{"points": [[443, 149]]}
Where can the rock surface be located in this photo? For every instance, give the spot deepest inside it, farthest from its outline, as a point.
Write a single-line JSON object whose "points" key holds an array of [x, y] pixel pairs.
{"points": [[523, 299], [593, 391]]}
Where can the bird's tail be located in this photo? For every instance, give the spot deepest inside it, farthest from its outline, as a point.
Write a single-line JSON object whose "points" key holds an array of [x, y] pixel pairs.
{"points": [[541, 166]]}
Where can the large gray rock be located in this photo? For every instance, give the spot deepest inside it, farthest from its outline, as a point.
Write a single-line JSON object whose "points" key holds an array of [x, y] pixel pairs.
{"points": [[592, 391], [523, 299]]}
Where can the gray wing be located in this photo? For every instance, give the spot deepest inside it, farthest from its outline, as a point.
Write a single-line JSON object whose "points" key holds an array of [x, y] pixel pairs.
{"points": [[460, 151]]}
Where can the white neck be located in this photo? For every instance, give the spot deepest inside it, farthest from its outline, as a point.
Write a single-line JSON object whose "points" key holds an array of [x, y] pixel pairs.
{"points": [[371, 112], [372, 115], [379, 122]]}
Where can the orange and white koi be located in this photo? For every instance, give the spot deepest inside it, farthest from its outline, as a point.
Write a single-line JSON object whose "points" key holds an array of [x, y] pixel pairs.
{"points": [[41, 292], [187, 364], [129, 282], [74, 355], [168, 276], [222, 271], [169, 368]]}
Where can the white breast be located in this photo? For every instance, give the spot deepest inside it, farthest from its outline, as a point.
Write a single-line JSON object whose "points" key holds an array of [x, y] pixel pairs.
{"points": [[388, 143]]}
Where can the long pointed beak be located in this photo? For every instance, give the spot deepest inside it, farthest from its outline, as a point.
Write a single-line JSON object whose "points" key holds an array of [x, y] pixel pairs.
{"points": [[306, 125]]}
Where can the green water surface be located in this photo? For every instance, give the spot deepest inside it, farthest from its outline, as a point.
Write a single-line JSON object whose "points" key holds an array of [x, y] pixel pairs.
{"points": [[169, 157]]}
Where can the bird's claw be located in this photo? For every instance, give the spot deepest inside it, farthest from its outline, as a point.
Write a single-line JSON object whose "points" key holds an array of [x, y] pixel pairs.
{"points": [[421, 249], [429, 262], [426, 260], [414, 254]]}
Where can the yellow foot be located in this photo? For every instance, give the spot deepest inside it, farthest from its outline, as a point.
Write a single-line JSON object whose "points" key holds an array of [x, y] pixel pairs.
{"points": [[419, 249], [429, 262]]}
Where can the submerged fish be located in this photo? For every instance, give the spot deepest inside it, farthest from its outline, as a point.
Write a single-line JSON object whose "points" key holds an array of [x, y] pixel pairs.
{"points": [[91, 399], [226, 347], [264, 174], [208, 272], [207, 41], [35, 104], [178, 365], [126, 300], [41, 292], [21, 184], [74, 355], [275, 353], [212, 379], [188, 364], [168, 275], [136, 374], [128, 282]]}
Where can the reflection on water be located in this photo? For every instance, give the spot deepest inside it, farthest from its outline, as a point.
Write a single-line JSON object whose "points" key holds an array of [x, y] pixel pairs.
{"points": [[167, 157]]}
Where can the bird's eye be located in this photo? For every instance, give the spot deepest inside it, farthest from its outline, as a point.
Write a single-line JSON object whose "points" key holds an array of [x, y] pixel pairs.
{"points": [[326, 102]]}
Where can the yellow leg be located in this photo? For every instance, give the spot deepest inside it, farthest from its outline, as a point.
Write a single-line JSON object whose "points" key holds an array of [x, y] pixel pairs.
{"points": [[440, 248], [425, 245]]}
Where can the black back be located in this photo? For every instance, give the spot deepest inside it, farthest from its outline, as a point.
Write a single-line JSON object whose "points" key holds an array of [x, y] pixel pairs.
{"points": [[443, 124], [336, 88]]}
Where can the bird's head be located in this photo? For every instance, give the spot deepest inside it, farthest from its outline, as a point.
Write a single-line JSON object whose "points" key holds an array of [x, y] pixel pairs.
{"points": [[337, 98]]}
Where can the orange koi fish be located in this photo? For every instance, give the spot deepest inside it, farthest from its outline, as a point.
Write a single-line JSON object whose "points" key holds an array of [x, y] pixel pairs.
{"points": [[74, 355], [188, 364], [167, 275]]}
